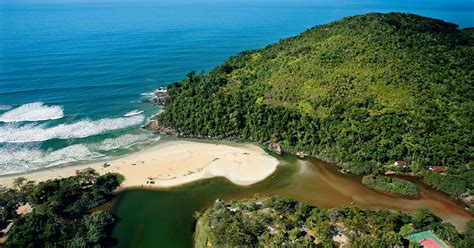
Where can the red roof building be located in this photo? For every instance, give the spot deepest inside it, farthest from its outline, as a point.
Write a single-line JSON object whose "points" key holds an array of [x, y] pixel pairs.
{"points": [[438, 168], [400, 163]]}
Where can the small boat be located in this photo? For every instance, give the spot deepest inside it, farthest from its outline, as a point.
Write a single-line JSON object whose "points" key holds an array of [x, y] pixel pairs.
{"points": [[301, 154], [132, 113], [343, 171]]}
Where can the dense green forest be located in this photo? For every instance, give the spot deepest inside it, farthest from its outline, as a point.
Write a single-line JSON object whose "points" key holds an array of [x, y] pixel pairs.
{"points": [[390, 185], [367, 90], [281, 222], [61, 215]]}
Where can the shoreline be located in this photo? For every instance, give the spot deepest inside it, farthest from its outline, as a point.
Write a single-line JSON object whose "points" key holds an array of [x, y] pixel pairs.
{"points": [[172, 163]]}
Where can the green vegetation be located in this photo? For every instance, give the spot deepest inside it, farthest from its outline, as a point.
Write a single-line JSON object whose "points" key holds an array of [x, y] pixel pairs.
{"points": [[61, 215], [386, 184], [279, 221], [368, 89], [451, 183]]}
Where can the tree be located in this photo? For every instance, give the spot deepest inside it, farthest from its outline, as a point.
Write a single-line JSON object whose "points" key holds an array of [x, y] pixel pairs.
{"points": [[98, 225], [423, 218], [19, 182], [469, 235], [62, 214]]}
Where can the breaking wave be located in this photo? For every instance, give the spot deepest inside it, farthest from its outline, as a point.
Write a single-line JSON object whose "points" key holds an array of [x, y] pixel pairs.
{"points": [[35, 111], [148, 94], [133, 112], [33, 132], [70, 154], [20, 157], [124, 141], [5, 107]]}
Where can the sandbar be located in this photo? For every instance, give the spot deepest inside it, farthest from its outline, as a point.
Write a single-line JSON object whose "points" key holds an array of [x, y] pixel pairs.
{"points": [[174, 163]]}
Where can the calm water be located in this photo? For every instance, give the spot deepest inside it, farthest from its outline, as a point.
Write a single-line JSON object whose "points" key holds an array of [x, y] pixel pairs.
{"points": [[165, 217], [70, 72]]}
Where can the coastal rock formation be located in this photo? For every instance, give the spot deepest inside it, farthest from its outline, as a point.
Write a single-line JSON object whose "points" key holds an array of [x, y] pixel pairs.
{"points": [[154, 126], [159, 96], [275, 147]]}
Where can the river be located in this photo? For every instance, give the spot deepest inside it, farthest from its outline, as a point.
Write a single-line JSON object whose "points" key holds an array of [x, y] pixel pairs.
{"points": [[165, 217]]}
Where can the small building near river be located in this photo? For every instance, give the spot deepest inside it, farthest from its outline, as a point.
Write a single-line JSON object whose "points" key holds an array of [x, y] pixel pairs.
{"points": [[400, 163], [438, 168]]}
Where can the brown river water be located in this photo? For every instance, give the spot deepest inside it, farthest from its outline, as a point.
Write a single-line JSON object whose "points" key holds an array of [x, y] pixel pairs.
{"points": [[165, 216], [322, 185]]}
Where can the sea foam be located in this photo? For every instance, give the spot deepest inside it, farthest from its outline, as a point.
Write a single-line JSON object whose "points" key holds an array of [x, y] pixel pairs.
{"points": [[133, 112], [35, 111], [5, 107], [148, 94], [12, 133], [69, 154], [125, 141], [19, 158]]}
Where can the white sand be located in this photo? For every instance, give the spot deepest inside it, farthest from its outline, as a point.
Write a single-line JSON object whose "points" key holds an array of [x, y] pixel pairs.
{"points": [[174, 163]]}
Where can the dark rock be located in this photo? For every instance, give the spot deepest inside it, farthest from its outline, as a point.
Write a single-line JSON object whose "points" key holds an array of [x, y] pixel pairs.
{"points": [[274, 147]]}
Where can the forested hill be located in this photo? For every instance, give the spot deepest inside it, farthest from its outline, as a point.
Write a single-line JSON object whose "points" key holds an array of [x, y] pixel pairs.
{"points": [[368, 89]]}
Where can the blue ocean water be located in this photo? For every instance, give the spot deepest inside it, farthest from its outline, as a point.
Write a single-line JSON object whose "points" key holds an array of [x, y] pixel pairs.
{"points": [[70, 72]]}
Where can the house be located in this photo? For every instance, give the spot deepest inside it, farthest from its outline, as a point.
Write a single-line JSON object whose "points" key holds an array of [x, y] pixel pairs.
{"points": [[4, 233], [400, 163], [438, 168], [24, 209], [7, 229]]}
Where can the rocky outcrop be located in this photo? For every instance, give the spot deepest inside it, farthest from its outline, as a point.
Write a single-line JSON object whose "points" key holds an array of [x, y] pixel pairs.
{"points": [[154, 126], [274, 147], [158, 98]]}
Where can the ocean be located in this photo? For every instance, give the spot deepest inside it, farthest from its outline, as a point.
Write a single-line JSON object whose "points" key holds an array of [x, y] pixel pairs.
{"points": [[73, 75]]}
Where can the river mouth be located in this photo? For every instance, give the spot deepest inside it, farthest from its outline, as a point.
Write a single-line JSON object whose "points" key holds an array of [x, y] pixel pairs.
{"points": [[164, 217]]}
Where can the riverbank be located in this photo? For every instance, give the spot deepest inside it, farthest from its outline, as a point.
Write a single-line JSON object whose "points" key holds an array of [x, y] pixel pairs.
{"points": [[173, 163], [169, 212]]}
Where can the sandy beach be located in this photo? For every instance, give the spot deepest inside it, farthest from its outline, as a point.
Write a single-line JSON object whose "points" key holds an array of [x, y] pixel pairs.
{"points": [[173, 163]]}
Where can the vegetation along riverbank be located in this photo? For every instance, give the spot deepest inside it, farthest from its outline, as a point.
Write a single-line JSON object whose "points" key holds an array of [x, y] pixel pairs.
{"points": [[279, 221], [57, 213]]}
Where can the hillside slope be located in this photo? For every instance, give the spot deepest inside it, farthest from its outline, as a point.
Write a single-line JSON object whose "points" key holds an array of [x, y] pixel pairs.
{"points": [[368, 89]]}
